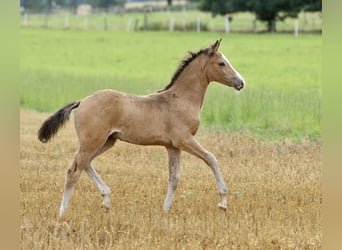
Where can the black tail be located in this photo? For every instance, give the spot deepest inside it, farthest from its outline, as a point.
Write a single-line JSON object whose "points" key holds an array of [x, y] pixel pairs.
{"points": [[50, 127]]}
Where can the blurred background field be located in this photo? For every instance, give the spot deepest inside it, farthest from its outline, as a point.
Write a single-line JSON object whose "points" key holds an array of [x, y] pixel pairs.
{"points": [[162, 20], [282, 99]]}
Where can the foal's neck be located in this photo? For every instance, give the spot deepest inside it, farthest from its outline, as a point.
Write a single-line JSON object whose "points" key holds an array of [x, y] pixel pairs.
{"points": [[192, 84]]}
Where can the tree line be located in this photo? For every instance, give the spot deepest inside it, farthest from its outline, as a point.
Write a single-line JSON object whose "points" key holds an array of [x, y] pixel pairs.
{"points": [[269, 11]]}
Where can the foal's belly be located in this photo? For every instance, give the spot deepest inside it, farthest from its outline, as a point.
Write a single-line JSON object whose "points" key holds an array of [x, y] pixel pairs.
{"points": [[144, 139]]}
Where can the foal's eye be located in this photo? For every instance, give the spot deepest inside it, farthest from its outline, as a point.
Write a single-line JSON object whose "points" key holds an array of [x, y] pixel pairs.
{"points": [[221, 64]]}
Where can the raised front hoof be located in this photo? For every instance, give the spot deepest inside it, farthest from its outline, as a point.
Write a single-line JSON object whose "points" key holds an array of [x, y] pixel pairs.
{"points": [[222, 206]]}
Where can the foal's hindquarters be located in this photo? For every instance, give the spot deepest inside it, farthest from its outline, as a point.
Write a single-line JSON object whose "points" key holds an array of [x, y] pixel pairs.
{"points": [[94, 139]]}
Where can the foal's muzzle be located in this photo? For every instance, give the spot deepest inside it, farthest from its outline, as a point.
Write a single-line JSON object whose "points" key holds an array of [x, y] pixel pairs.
{"points": [[238, 83]]}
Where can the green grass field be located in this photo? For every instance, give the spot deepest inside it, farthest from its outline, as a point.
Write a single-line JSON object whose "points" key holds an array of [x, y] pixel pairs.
{"points": [[282, 100]]}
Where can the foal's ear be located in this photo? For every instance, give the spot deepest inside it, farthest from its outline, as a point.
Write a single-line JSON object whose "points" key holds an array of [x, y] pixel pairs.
{"points": [[213, 48]]}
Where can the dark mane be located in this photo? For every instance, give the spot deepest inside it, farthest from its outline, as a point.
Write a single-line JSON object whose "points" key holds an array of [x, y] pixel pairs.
{"points": [[183, 64]]}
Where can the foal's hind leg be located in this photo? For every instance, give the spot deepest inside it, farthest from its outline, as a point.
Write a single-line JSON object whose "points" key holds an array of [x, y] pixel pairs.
{"points": [[72, 176], [104, 189]]}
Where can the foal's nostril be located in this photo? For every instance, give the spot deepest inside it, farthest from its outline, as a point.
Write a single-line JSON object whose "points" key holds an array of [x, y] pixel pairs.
{"points": [[239, 84]]}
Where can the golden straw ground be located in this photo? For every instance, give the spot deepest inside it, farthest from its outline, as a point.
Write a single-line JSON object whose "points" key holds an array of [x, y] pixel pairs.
{"points": [[275, 197]]}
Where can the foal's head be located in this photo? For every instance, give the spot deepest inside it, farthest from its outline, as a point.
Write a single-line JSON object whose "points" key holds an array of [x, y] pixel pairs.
{"points": [[219, 69]]}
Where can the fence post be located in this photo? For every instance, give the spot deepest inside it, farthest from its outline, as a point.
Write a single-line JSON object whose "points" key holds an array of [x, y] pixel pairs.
{"points": [[254, 25], [198, 24], [172, 23], [85, 22], [46, 20], [26, 19], [145, 21], [66, 21], [226, 24], [184, 9], [296, 28], [128, 26], [105, 23]]}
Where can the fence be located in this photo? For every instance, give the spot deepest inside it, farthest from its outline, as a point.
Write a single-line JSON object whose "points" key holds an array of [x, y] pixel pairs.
{"points": [[171, 21]]}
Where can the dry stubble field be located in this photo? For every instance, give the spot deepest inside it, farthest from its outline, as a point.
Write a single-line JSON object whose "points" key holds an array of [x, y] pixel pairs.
{"points": [[275, 199]]}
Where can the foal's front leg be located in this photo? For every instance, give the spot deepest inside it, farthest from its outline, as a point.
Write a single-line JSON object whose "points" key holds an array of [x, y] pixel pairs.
{"points": [[193, 147], [174, 158]]}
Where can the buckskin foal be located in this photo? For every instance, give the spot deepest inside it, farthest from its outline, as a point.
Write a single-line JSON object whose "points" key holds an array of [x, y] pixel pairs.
{"points": [[168, 118]]}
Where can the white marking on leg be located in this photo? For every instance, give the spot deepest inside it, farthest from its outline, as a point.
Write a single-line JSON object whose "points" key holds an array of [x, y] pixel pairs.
{"points": [[173, 182], [65, 200], [193, 147], [104, 189], [72, 175], [174, 157], [212, 162]]}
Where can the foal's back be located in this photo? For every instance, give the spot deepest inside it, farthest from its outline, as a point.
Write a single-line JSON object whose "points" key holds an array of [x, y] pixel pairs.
{"points": [[143, 120]]}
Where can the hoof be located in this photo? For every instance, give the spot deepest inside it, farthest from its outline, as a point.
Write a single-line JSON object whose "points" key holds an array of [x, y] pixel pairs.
{"points": [[222, 207], [166, 209], [62, 230], [105, 208]]}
